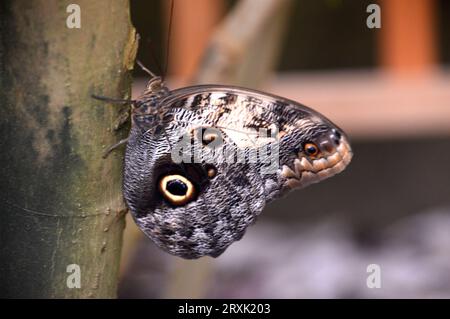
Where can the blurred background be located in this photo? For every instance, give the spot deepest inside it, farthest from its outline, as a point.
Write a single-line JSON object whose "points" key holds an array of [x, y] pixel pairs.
{"points": [[388, 88]]}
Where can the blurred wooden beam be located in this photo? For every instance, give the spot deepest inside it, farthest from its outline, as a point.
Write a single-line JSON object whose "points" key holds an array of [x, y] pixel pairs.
{"points": [[407, 40], [371, 105], [255, 29], [245, 48], [192, 25]]}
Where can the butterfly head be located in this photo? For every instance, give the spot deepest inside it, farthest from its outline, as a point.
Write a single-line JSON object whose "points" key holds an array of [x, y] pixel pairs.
{"points": [[321, 150], [155, 85]]}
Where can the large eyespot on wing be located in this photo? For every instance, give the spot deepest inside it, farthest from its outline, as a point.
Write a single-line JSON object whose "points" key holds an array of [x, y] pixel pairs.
{"points": [[178, 184], [176, 189], [216, 218], [201, 209], [311, 149]]}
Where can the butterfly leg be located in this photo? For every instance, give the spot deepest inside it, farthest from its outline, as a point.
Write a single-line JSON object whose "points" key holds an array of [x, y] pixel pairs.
{"points": [[122, 119], [123, 114], [112, 100], [113, 147]]}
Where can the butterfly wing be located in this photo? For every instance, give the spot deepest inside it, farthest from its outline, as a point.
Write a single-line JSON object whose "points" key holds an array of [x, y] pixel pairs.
{"points": [[200, 169]]}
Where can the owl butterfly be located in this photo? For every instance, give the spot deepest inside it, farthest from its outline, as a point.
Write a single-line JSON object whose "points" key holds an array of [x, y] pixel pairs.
{"points": [[201, 162]]}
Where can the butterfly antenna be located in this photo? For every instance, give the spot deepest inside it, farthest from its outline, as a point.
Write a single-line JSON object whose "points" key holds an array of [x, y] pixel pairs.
{"points": [[154, 58], [145, 69], [169, 32]]}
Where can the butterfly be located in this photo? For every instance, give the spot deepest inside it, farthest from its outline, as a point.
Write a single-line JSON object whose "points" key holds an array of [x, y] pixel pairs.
{"points": [[201, 162]]}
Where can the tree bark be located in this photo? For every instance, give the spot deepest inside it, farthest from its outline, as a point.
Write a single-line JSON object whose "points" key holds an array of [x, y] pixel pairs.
{"points": [[60, 202]]}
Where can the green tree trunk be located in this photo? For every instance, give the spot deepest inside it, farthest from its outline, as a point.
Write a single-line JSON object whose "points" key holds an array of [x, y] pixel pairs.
{"points": [[60, 202]]}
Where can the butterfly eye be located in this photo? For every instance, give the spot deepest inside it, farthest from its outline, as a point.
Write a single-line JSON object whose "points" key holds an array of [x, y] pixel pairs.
{"points": [[177, 189], [311, 149]]}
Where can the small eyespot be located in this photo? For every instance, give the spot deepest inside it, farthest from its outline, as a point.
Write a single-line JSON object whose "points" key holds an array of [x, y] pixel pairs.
{"points": [[311, 149], [176, 189], [210, 135], [211, 171], [207, 135]]}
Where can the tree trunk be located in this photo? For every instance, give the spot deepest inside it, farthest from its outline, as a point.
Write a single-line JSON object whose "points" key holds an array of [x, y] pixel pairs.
{"points": [[60, 202]]}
